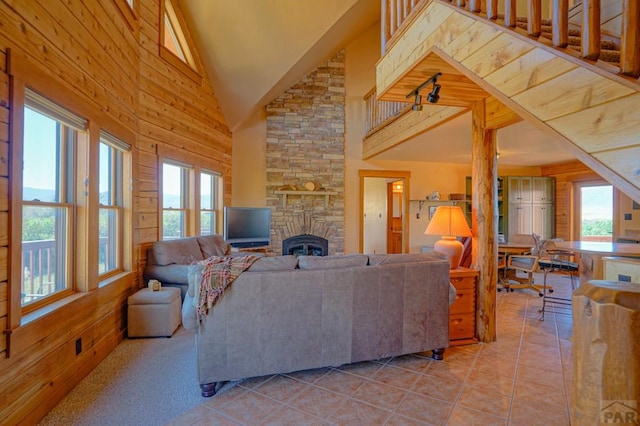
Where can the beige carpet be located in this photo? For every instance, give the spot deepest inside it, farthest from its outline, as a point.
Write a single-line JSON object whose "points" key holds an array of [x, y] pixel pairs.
{"points": [[126, 389]]}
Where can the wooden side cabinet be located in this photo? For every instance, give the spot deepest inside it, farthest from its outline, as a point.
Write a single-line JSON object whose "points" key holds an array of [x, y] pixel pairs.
{"points": [[462, 313]]}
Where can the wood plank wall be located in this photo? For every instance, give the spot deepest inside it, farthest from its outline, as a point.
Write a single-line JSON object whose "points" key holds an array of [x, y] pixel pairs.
{"points": [[90, 49]]}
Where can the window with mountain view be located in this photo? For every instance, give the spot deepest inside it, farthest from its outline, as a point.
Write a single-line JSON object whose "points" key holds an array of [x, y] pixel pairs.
{"points": [[112, 192], [210, 202], [48, 198], [175, 200]]}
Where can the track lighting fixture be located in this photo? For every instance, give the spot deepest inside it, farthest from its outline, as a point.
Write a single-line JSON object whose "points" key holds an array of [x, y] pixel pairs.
{"points": [[432, 97], [417, 103]]}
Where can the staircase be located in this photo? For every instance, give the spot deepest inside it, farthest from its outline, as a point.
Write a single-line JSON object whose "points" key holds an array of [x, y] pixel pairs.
{"points": [[609, 49], [589, 103]]}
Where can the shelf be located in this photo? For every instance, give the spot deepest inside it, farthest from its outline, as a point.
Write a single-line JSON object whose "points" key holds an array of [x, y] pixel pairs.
{"points": [[444, 202], [324, 194]]}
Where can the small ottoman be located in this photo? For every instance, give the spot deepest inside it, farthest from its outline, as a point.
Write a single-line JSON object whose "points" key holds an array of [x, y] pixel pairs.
{"points": [[154, 313]]}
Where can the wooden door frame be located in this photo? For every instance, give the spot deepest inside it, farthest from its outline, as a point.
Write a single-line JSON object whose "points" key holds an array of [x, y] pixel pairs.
{"points": [[576, 212], [387, 174]]}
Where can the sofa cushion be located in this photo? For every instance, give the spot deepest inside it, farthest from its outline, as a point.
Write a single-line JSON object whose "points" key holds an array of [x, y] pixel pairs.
{"points": [[181, 252], [174, 274], [274, 263], [194, 274], [212, 245], [381, 259], [333, 261]]}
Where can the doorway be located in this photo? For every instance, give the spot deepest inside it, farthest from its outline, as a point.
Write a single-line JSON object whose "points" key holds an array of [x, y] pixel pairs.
{"points": [[594, 211], [384, 224]]}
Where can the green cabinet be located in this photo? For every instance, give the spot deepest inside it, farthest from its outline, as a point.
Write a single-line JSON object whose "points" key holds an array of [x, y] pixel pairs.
{"points": [[525, 205]]}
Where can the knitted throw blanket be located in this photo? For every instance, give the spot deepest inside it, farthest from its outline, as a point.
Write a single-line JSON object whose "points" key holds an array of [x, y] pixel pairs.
{"points": [[218, 274]]}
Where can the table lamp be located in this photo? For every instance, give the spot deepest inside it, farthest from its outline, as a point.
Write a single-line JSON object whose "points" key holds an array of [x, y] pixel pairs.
{"points": [[449, 222]]}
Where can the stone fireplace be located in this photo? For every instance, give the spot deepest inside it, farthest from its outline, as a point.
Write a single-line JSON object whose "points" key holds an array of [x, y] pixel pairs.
{"points": [[306, 142]]}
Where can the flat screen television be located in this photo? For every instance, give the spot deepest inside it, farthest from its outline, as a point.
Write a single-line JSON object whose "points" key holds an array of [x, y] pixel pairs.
{"points": [[247, 226]]}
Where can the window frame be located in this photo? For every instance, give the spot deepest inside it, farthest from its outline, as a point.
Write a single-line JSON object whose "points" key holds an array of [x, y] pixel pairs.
{"points": [[190, 66], [71, 132], [186, 196], [216, 196], [197, 164], [120, 174], [23, 74], [129, 13]]}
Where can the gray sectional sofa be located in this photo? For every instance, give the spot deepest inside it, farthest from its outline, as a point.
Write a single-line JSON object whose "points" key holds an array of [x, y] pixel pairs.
{"points": [[168, 261], [287, 314]]}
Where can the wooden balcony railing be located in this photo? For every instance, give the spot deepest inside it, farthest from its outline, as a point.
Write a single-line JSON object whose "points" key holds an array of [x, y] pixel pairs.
{"points": [[397, 14], [381, 113], [39, 267]]}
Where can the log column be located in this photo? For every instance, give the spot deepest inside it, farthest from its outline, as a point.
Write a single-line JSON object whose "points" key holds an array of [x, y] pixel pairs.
{"points": [[484, 206]]}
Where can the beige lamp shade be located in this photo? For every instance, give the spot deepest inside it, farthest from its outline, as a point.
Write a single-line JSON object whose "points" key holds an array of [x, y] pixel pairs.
{"points": [[449, 222]]}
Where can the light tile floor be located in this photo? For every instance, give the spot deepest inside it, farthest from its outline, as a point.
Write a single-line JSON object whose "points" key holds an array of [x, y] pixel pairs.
{"points": [[524, 378]]}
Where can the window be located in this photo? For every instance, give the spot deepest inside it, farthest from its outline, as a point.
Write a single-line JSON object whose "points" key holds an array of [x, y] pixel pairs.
{"points": [[175, 200], [210, 202], [173, 36], [129, 11], [174, 45], [111, 199], [48, 198]]}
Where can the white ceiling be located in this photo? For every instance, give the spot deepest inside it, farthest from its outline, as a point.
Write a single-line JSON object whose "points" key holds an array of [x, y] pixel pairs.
{"points": [[255, 49], [521, 144]]}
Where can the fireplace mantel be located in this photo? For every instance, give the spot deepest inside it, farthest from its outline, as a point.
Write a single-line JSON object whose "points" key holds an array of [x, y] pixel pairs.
{"points": [[325, 194]]}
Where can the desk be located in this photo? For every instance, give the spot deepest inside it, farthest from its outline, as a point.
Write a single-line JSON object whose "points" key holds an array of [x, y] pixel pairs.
{"points": [[627, 239], [591, 254], [514, 248]]}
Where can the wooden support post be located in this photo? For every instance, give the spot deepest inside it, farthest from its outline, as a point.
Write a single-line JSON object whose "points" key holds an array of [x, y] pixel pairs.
{"points": [[630, 38], [591, 35], [534, 23], [510, 13], [560, 26], [484, 178], [492, 9]]}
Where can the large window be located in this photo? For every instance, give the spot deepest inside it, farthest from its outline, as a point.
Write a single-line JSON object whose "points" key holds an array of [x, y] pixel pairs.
{"points": [[175, 200], [210, 202], [48, 198], [112, 191]]}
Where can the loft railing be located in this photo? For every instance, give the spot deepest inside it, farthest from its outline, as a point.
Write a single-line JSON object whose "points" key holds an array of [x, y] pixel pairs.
{"points": [[397, 15], [381, 113]]}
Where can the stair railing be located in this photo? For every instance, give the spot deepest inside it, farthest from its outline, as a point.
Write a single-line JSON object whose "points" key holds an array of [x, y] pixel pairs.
{"points": [[397, 15]]}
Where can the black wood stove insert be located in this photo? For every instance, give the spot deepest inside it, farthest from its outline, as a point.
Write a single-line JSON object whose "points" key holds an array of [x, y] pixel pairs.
{"points": [[305, 244]]}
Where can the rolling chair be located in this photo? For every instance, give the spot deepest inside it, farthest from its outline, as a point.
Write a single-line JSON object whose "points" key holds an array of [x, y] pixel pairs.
{"points": [[553, 260], [527, 264]]}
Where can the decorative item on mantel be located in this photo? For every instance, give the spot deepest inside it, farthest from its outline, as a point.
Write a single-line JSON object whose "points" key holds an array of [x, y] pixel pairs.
{"points": [[309, 188]]}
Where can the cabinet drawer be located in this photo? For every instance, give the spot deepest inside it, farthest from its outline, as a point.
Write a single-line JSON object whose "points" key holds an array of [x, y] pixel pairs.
{"points": [[465, 301], [463, 282], [462, 326]]}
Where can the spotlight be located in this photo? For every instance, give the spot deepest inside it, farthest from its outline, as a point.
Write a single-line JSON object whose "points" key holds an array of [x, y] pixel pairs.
{"points": [[417, 103], [433, 97]]}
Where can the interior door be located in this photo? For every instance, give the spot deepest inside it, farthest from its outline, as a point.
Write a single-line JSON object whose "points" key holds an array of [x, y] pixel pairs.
{"points": [[367, 232]]}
